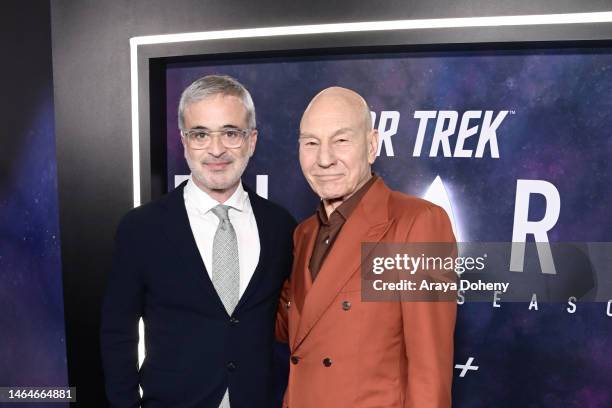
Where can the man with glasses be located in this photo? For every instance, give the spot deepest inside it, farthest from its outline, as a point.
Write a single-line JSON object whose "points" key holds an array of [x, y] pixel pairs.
{"points": [[203, 267]]}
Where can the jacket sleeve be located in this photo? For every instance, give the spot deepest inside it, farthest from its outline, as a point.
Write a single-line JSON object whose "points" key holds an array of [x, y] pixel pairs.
{"points": [[429, 326], [121, 311]]}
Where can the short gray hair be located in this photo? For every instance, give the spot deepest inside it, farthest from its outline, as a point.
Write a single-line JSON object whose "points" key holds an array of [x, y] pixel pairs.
{"points": [[211, 85]]}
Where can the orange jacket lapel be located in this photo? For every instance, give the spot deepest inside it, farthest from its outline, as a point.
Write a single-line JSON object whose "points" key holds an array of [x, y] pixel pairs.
{"points": [[300, 276], [368, 223]]}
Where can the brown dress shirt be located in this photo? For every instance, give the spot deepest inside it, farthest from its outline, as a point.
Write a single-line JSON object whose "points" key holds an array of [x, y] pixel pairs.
{"points": [[329, 228]]}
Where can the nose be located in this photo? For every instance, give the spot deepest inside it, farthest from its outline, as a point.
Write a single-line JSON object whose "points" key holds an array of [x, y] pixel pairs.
{"points": [[216, 147], [325, 156]]}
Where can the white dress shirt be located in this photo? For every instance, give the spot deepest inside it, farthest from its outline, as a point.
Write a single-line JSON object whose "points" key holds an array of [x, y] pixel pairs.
{"points": [[204, 224]]}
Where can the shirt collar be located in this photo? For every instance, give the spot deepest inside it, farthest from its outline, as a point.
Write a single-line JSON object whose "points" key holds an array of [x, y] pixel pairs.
{"points": [[203, 203], [346, 208]]}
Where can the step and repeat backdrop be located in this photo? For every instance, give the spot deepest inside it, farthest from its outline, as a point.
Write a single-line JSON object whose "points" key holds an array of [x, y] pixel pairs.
{"points": [[511, 144], [32, 339]]}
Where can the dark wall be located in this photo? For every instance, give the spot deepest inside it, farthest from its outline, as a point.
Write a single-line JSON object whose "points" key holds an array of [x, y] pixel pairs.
{"points": [[91, 68], [26, 74]]}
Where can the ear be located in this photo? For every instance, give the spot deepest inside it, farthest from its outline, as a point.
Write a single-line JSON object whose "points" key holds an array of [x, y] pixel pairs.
{"points": [[183, 141], [372, 141], [252, 142]]}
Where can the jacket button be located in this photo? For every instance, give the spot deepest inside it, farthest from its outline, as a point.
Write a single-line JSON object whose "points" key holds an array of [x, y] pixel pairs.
{"points": [[327, 362], [231, 366], [295, 359], [234, 321], [346, 305]]}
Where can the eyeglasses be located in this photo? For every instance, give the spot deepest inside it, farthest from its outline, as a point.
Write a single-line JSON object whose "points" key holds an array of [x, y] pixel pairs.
{"points": [[231, 138]]}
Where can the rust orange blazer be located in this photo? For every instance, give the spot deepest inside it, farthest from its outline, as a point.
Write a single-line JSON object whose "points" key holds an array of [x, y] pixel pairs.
{"points": [[353, 354]]}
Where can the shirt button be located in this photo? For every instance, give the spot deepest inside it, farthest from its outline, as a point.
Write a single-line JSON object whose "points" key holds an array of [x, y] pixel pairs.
{"points": [[327, 362], [288, 305], [327, 241], [231, 366], [346, 305], [295, 359]]}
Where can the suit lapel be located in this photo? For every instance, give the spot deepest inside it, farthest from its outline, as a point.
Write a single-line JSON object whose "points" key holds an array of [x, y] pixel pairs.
{"points": [[368, 223], [178, 231], [301, 271], [266, 235], [301, 279]]}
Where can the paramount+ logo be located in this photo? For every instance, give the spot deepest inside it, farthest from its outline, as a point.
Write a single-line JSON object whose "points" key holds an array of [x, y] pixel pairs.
{"points": [[446, 133]]}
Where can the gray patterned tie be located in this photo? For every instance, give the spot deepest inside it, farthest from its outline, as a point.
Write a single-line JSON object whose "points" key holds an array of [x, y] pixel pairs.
{"points": [[225, 268], [225, 265]]}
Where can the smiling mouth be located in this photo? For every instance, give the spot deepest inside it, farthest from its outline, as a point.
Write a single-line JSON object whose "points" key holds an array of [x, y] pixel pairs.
{"points": [[328, 177], [217, 166]]}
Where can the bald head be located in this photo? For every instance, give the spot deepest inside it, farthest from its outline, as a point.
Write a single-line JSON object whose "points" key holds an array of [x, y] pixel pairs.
{"points": [[336, 99], [337, 144]]}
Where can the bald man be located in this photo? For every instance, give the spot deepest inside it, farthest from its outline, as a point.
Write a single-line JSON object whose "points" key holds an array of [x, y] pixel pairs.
{"points": [[345, 352]]}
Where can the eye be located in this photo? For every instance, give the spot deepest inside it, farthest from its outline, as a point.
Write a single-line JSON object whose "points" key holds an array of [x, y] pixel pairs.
{"points": [[309, 143], [231, 133], [341, 140], [199, 134]]}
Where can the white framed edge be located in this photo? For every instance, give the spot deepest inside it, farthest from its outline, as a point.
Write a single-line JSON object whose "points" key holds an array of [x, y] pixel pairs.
{"points": [[464, 22]]}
